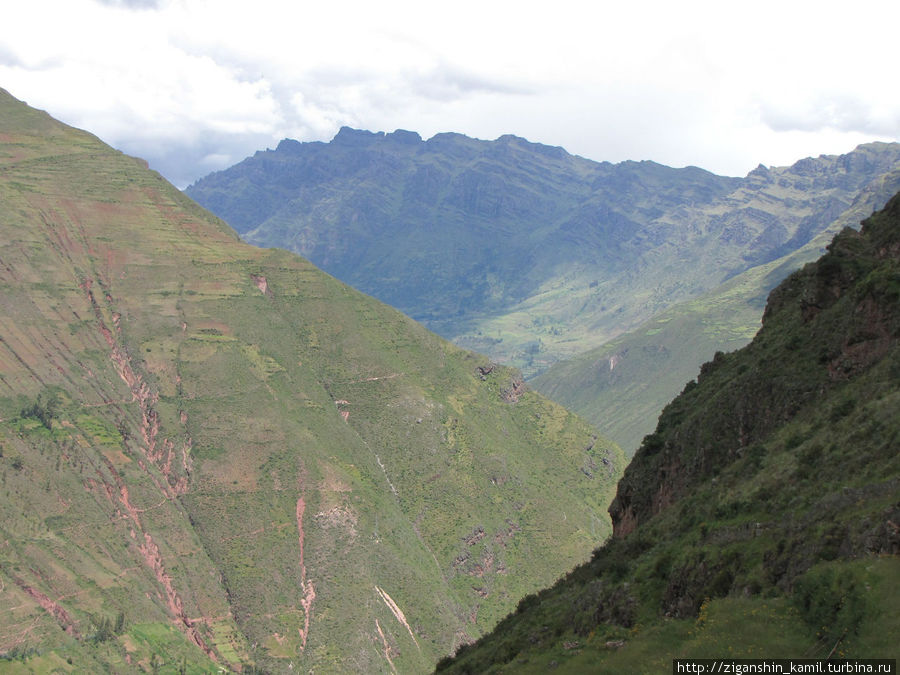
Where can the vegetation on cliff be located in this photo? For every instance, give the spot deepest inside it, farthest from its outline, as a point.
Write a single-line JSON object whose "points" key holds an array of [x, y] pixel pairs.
{"points": [[622, 386]]}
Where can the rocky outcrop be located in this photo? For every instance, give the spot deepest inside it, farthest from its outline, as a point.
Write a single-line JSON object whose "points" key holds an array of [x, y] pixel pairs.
{"points": [[514, 390]]}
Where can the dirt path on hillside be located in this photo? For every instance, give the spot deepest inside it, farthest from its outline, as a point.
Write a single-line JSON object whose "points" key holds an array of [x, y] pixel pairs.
{"points": [[306, 585]]}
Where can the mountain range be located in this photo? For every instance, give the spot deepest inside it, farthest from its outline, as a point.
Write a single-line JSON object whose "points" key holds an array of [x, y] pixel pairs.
{"points": [[759, 520], [218, 456], [522, 251]]}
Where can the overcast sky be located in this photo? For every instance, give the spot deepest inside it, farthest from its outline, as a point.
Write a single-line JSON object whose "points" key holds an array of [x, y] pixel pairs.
{"points": [[197, 85]]}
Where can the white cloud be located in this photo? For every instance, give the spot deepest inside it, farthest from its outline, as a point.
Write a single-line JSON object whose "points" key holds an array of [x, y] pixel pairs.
{"points": [[188, 83]]}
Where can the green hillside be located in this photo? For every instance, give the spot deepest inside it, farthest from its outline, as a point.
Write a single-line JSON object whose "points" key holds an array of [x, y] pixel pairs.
{"points": [[217, 456], [622, 386], [522, 251], [760, 518]]}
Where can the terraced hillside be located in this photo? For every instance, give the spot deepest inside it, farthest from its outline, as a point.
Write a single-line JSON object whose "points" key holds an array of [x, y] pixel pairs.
{"points": [[213, 455]]}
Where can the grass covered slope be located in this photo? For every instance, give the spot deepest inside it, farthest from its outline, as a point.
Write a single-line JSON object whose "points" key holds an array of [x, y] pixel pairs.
{"points": [[213, 455], [760, 519]]}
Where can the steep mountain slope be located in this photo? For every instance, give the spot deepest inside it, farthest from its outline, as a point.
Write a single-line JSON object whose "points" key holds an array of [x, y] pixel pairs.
{"points": [[622, 386], [519, 250], [760, 519], [217, 456]]}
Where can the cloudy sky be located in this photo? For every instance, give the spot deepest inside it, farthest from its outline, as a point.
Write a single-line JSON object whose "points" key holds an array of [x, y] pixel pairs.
{"points": [[197, 85]]}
